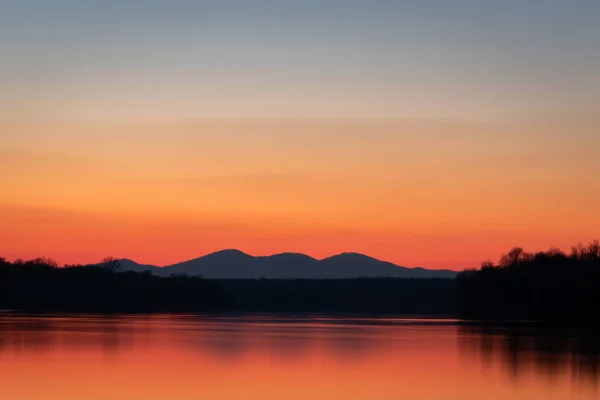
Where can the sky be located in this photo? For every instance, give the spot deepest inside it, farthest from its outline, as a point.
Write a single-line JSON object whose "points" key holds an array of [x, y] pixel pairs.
{"points": [[426, 133]]}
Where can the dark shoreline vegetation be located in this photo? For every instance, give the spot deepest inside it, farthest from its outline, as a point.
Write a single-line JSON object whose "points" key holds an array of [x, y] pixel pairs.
{"points": [[41, 286], [551, 287]]}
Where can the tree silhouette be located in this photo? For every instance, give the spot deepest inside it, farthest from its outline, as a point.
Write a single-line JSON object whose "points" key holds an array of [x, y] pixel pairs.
{"points": [[39, 285], [111, 264], [546, 286]]}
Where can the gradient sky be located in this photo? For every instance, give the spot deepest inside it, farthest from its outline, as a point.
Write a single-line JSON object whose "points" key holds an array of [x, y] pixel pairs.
{"points": [[427, 133]]}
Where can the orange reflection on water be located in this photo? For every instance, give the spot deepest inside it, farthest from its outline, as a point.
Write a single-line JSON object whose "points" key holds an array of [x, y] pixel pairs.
{"points": [[197, 357]]}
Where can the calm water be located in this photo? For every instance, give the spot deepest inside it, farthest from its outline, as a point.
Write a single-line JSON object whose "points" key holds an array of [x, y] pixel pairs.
{"points": [[197, 357]]}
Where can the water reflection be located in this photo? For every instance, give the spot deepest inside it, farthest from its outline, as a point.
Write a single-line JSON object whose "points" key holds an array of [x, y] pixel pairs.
{"points": [[550, 353], [38, 335], [227, 338], [186, 357]]}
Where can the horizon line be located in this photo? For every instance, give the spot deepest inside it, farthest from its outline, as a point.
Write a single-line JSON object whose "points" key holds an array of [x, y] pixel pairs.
{"points": [[287, 253]]}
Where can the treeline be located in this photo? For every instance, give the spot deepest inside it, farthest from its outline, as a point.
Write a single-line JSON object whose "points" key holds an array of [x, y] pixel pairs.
{"points": [[366, 295], [550, 286], [40, 285]]}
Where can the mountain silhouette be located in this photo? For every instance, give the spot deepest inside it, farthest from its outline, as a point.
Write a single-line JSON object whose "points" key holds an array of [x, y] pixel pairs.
{"points": [[235, 264]]}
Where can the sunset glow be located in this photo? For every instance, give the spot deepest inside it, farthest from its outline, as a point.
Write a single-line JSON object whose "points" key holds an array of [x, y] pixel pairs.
{"points": [[162, 135]]}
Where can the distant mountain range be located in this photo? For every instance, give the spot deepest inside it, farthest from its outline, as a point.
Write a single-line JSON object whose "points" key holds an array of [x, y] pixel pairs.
{"points": [[234, 264]]}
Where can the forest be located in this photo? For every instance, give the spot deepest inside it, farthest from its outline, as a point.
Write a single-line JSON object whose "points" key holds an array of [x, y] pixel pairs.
{"points": [[40, 285], [548, 286]]}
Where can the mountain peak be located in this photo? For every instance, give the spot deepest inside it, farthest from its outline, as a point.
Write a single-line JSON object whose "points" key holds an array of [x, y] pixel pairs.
{"points": [[229, 252], [235, 264], [351, 256], [290, 255]]}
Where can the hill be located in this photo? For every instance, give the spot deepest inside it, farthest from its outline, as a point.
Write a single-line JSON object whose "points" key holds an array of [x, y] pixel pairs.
{"points": [[234, 264]]}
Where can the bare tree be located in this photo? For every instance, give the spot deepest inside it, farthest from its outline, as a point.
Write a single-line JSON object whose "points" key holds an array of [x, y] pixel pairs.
{"points": [[111, 264], [515, 257], [593, 250]]}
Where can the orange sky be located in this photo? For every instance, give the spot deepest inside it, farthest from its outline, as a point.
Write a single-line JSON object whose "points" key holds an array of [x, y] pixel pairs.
{"points": [[439, 194], [434, 136]]}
